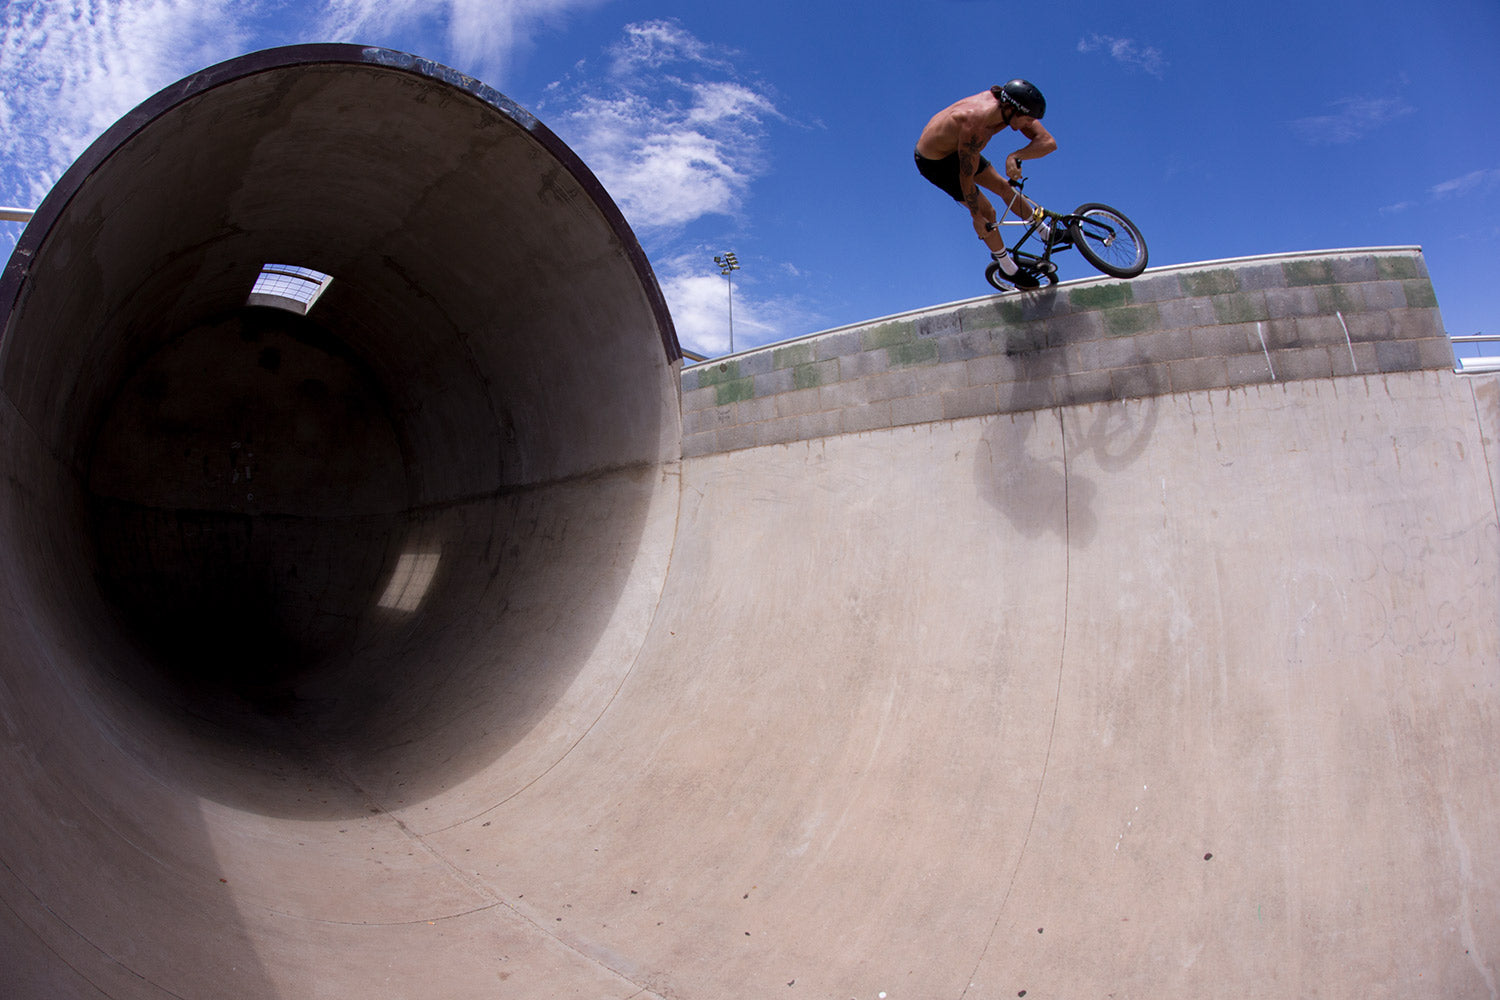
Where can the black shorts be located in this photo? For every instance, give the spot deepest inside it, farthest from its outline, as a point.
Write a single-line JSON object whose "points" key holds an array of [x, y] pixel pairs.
{"points": [[944, 173]]}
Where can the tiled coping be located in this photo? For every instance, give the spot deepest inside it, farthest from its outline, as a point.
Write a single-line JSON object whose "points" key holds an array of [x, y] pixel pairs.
{"points": [[1177, 329]]}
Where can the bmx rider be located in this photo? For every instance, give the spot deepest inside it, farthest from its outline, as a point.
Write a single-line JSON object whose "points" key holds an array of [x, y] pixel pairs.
{"points": [[949, 155]]}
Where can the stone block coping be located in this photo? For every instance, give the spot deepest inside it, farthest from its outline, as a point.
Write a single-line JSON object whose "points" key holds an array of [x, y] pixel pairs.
{"points": [[1181, 328]]}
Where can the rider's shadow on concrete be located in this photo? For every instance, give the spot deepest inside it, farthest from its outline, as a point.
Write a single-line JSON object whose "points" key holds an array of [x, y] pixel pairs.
{"points": [[1114, 435], [1030, 466]]}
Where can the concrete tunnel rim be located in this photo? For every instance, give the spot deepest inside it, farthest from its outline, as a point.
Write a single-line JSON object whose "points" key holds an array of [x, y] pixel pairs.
{"points": [[118, 135]]}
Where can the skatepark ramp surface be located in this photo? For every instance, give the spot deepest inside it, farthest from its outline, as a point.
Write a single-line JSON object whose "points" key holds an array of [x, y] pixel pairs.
{"points": [[384, 612]]}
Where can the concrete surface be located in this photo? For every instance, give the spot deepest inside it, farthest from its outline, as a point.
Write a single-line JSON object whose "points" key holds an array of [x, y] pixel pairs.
{"points": [[488, 690]]}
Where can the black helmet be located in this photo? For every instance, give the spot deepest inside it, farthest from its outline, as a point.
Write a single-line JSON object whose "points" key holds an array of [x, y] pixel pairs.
{"points": [[1023, 96]]}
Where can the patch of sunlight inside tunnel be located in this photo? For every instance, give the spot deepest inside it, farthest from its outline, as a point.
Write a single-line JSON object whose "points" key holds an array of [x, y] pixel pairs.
{"points": [[286, 286], [409, 581]]}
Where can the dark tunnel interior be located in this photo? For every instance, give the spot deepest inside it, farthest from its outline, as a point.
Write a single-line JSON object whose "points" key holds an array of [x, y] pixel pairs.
{"points": [[308, 520]]}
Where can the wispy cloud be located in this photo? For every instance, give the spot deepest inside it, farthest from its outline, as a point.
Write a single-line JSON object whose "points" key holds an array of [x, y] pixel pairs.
{"points": [[669, 129], [1127, 52], [678, 136], [655, 45], [1350, 119], [668, 164], [1470, 183], [482, 36], [69, 71]]}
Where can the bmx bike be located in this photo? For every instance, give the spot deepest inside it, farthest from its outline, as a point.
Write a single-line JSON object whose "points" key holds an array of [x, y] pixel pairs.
{"points": [[1103, 235]]}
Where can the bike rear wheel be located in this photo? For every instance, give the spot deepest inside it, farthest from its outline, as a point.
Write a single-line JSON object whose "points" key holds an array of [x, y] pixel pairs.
{"points": [[997, 278], [1108, 240]]}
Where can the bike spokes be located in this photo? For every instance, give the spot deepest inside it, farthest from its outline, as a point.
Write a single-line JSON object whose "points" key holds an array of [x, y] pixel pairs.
{"points": [[1109, 241]]}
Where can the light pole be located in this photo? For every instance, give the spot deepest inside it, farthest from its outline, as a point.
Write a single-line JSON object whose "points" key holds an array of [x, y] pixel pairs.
{"points": [[729, 263]]}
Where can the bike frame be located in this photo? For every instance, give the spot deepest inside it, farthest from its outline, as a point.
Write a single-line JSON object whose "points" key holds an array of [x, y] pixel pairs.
{"points": [[1061, 223], [1092, 228]]}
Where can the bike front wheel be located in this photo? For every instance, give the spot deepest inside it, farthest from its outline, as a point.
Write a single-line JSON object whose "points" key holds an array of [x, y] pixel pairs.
{"points": [[1108, 240]]}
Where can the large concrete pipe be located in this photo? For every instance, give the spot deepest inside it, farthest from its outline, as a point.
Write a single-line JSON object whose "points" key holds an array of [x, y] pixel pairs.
{"points": [[254, 547]]}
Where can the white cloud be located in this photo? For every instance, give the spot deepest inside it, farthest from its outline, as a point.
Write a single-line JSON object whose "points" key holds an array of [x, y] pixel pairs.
{"points": [[1351, 118], [1474, 182], [1470, 183], [69, 71], [1126, 52], [651, 45], [670, 131], [699, 299], [482, 35], [699, 303], [715, 103], [678, 136], [668, 165]]}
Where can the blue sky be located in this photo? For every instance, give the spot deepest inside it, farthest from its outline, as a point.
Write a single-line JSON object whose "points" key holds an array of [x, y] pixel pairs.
{"points": [[783, 131]]}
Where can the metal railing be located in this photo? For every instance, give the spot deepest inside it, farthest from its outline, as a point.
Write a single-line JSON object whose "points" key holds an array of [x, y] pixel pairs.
{"points": [[1481, 364], [8, 214]]}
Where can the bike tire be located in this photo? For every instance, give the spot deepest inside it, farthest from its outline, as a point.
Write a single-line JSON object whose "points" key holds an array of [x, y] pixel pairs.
{"points": [[1108, 240], [997, 280]]}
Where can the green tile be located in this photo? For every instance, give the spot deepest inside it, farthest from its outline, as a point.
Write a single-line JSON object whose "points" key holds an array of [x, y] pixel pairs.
{"points": [[1220, 282], [1101, 296], [922, 352], [1241, 307], [1419, 294], [1399, 267], [1037, 306], [1300, 273], [792, 356], [806, 377], [889, 335], [1338, 298], [735, 392], [725, 371], [1130, 320], [980, 317], [1012, 313]]}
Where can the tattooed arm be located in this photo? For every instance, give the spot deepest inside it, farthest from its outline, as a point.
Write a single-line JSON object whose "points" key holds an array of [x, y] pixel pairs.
{"points": [[1041, 144]]}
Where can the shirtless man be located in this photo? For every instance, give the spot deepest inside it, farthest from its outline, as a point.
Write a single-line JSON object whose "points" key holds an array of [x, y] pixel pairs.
{"points": [[948, 155]]}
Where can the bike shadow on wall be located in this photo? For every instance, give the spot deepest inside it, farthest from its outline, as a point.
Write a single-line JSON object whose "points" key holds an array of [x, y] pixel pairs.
{"points": [[1030, 463]]}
